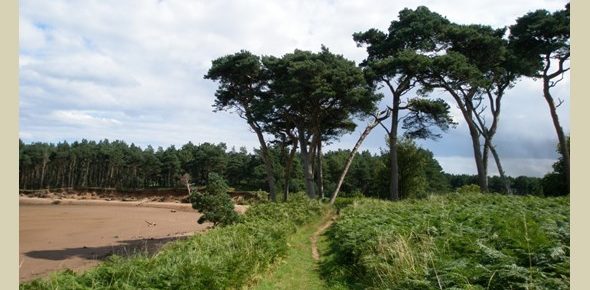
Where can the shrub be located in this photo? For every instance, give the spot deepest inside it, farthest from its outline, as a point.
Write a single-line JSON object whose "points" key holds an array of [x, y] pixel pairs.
{"points": [[469, 188], [259, 196], [353, 194], [214, 204]]}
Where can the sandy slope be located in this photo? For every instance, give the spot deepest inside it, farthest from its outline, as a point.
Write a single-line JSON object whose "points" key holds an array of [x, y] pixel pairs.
{"points": [[76, 234]]}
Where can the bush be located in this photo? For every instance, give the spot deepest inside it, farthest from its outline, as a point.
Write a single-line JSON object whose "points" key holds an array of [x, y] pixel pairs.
{"points": [[342, 202], [214, 204], [469, 188], [353, 194], [259, 196]]}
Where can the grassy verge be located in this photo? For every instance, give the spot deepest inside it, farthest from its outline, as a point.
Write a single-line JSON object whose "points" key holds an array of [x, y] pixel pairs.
{"points": [[298, 270], [451, 242], [223, 258]]}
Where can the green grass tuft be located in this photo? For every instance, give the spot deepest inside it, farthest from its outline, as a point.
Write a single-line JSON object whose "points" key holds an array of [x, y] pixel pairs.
{"points": [[460, 241]]}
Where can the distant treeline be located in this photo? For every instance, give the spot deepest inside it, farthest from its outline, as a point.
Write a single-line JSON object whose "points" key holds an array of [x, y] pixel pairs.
{"points": [[120, 166]]}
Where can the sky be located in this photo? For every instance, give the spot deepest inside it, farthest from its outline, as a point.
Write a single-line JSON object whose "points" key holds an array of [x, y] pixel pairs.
{"points": [[133, 71]]}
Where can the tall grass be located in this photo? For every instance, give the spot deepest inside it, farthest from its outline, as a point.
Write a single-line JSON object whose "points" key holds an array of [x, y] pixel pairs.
{"points": [[460, 241], [222, 258]]}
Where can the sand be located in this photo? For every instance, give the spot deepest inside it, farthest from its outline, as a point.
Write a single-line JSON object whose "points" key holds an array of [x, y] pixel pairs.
{"points": [[78, 234]]}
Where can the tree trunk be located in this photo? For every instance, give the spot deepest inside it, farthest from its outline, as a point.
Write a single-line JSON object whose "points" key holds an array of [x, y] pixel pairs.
{"points": [[85, 178], [481, 171], [350, 158], [467, 110], [307, 170], [320, 170], [288, 170], [486, 156], [267, 162], [45, 160], [394, 185], [500, 169], [70, 173], [563, 148]]}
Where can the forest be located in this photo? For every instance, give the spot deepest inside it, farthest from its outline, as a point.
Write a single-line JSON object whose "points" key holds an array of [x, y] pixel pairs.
{"points": [[116, 165]]}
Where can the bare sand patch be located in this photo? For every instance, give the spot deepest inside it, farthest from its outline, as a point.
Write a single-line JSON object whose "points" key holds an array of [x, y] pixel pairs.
{"points": [[56, 234]]}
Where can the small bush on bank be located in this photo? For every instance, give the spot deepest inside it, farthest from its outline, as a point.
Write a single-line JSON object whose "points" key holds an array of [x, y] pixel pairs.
{"points": [[214, 204]]}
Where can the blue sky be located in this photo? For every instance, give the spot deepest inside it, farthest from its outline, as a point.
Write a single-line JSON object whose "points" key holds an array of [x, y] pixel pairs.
{"points": [[133, 70]]}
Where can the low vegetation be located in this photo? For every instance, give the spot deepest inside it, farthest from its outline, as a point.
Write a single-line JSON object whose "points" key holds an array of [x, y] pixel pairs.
{"points": [[460, 241], [226, 257]]}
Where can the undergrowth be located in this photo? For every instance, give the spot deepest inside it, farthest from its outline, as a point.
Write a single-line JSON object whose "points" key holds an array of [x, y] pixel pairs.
{"points": [[223, 258], [459, 241]]}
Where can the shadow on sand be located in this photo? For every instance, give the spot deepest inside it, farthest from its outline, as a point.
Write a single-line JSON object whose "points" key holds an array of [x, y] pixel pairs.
{"points": [[122, 248]]}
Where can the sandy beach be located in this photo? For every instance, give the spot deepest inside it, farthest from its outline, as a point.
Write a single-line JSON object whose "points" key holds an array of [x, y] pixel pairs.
{"points": [[56, 234]]}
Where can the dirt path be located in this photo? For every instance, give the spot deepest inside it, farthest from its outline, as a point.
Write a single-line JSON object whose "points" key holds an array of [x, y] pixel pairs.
{"points": [[314, 238], [78, 234], [299, 269]]}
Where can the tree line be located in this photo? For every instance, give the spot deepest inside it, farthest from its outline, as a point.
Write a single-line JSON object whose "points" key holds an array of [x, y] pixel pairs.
{"points": [[306, 99], [82, 165]]}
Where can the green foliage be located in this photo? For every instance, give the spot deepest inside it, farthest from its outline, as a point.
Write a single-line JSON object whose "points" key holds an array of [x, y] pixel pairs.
{"points": [[456, 241], [423, 115], [419, 172], [526, 185], [369, 174], [342, 202], [540, 34], [214, 204], [555, 183], [469, 188], [364, 176], [223, 258], [521, 185], [412, 161], [316, 94], [260, 196], [397, 60], [322, 89], [354, 194]]}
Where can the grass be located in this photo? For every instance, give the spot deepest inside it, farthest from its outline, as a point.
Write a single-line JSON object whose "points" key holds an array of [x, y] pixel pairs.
{"points": [[468, 241], [298, 270]]}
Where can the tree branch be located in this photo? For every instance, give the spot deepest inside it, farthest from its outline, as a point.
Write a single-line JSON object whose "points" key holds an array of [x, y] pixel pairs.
{"points": [[553, 83], [560, 102], [560, 70]]}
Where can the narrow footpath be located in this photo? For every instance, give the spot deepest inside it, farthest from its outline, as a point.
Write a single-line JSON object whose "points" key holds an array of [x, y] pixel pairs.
{"points": [[300, 268]]}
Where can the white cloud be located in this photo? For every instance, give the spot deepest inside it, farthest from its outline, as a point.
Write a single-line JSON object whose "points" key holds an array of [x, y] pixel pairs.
{"points": [[82, 118], [31, 38]]}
